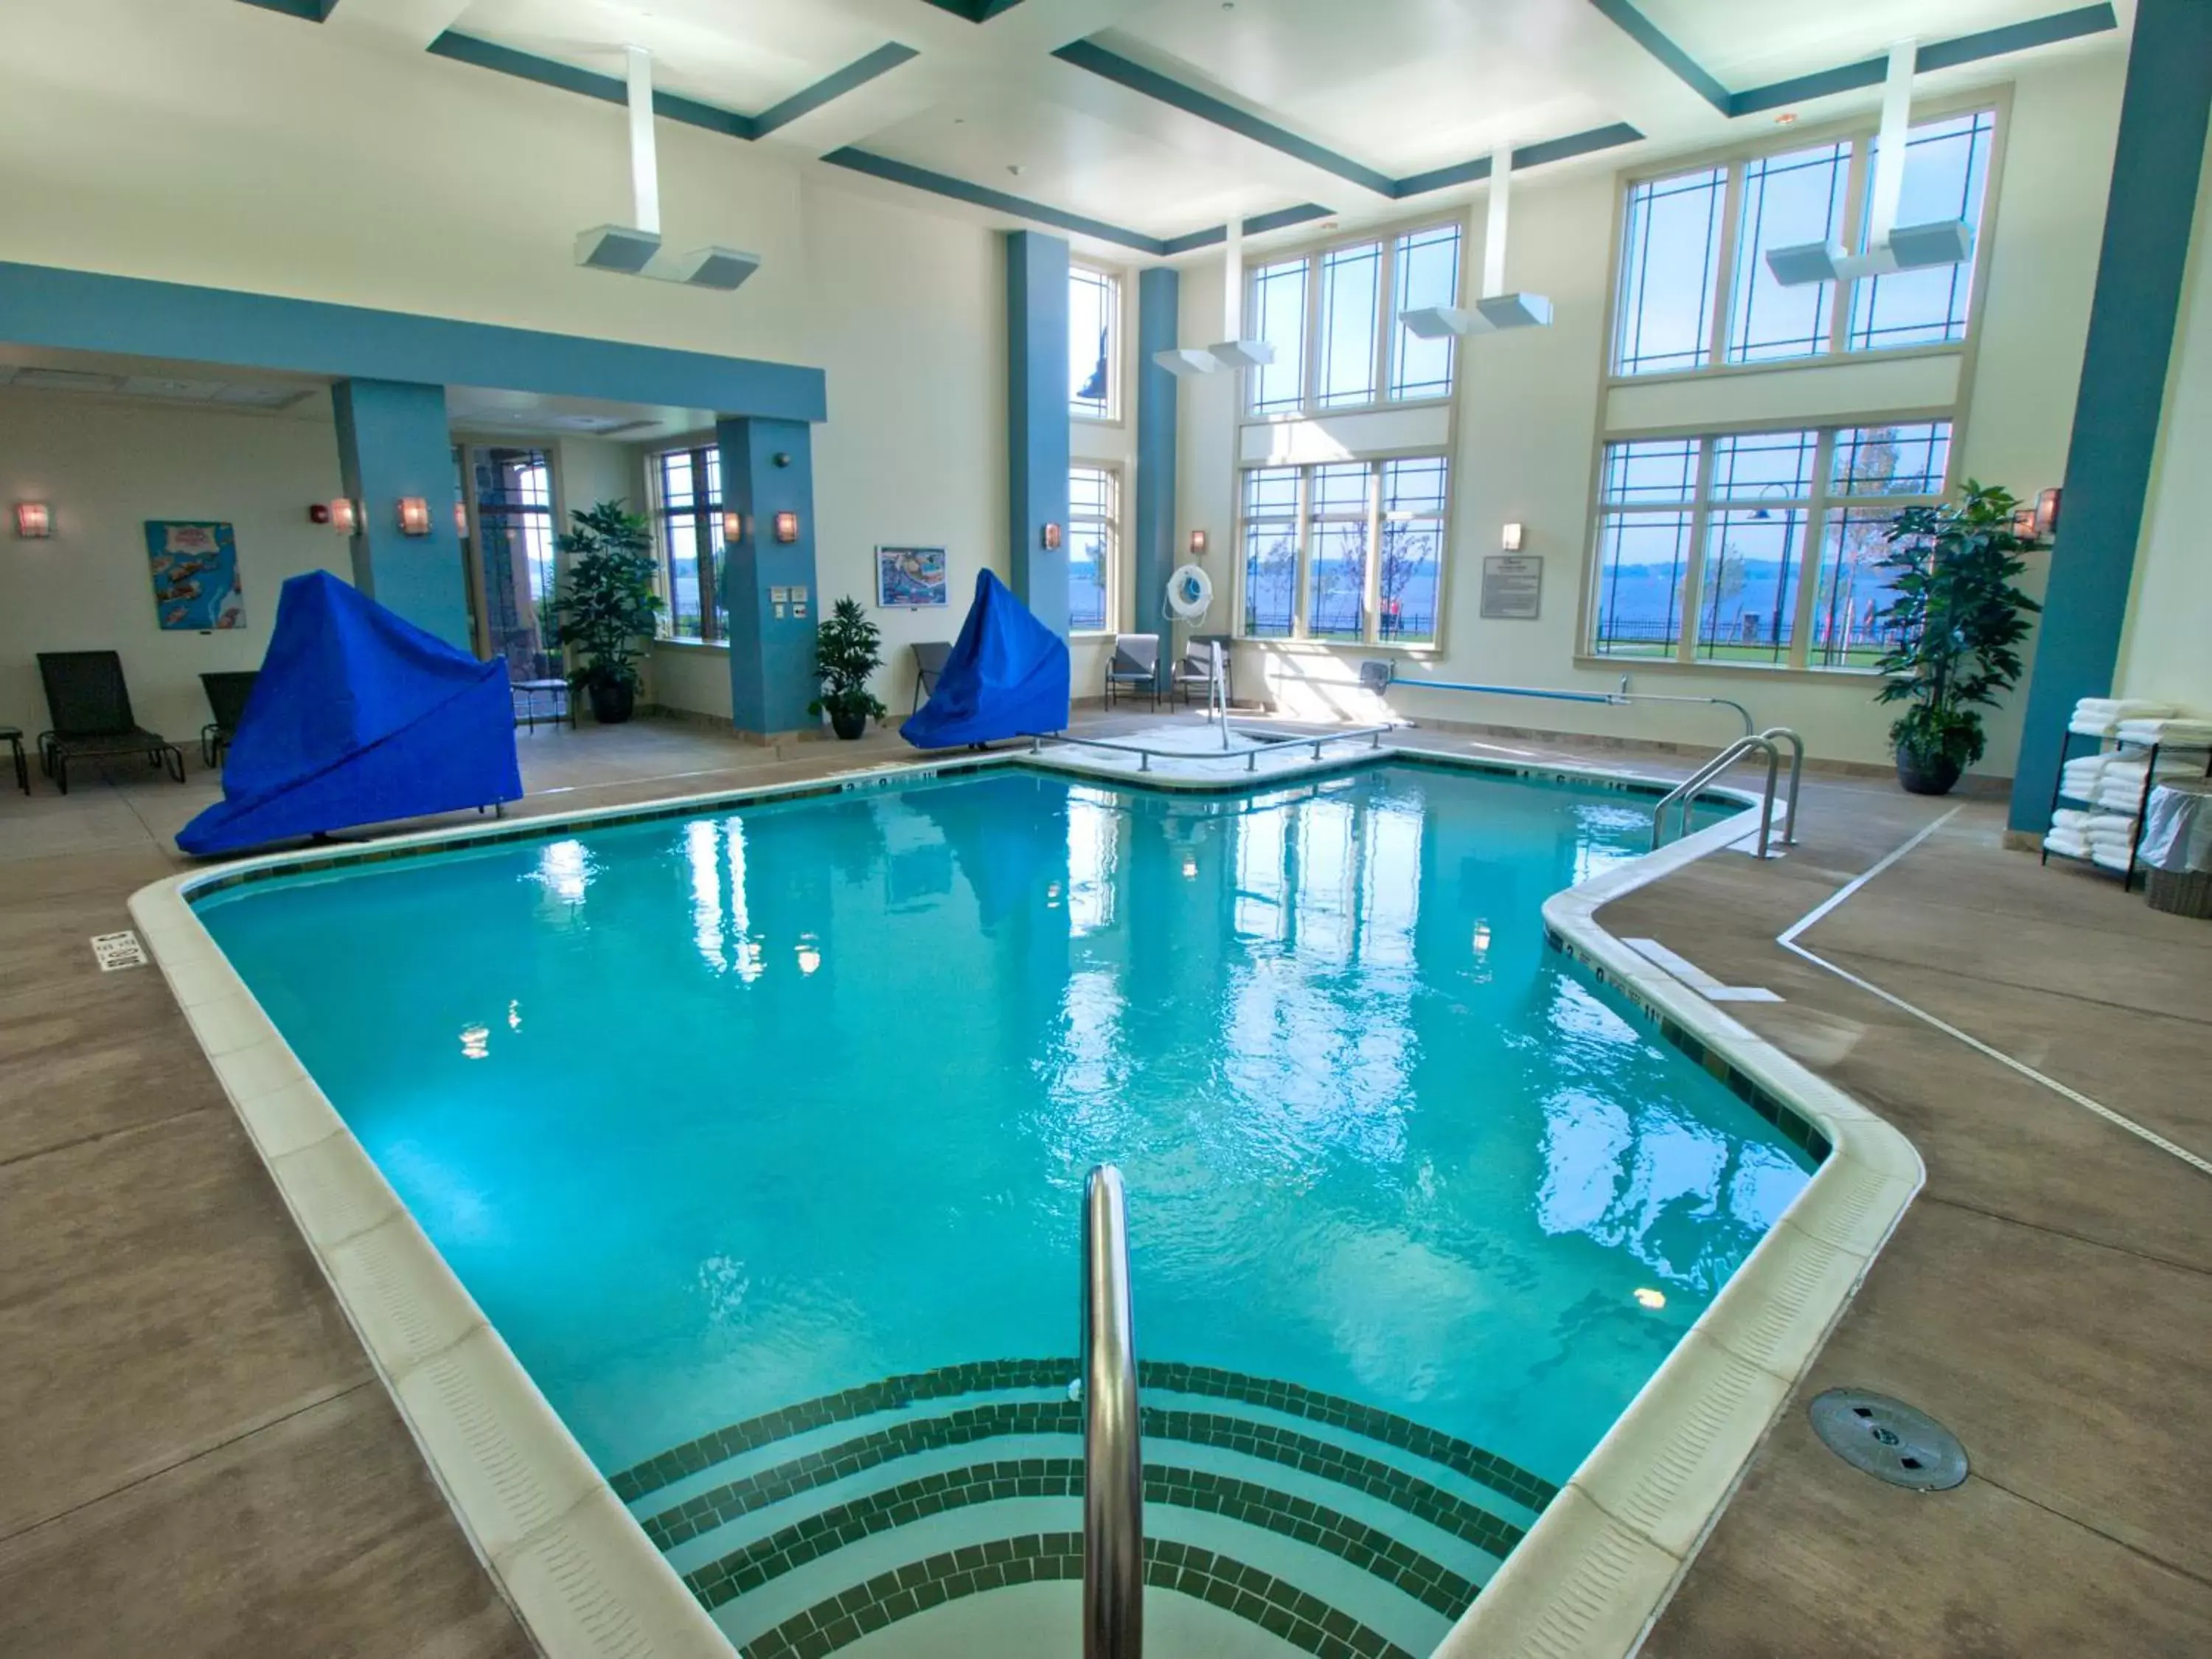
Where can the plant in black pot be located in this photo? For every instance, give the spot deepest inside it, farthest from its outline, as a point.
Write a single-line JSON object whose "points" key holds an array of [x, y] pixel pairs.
{"points": [[607, 608], [1955, 622], [848, 648]]}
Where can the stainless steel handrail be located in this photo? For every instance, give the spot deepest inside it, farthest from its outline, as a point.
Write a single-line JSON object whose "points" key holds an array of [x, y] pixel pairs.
{"points": [[1797, 776], [1112, 1449], [1381, 677], [1684, 792], [1251, 753]]}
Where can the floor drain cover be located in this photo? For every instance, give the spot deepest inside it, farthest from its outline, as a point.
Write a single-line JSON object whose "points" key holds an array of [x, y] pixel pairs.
{"points": [[1889, 1440]]}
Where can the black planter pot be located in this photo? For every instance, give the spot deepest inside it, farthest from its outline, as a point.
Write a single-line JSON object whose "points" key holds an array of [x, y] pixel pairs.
{"points": [[611, 702], [1926, 774], [848, 724]]}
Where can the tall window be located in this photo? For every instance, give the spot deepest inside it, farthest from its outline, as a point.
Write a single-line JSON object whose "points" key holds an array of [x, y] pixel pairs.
{"points": [[1675, 310], [687, 502], [1756, 549], [1347, 550], [514, 554], [1094, 546], [1094, 335], [1332, 317]]}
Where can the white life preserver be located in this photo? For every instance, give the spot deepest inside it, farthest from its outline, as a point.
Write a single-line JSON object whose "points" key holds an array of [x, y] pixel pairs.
{"points": [[1190, 593]]}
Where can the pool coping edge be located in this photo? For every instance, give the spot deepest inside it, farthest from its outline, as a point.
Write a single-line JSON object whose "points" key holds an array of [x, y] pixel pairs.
{"points": [[578, 1571]]}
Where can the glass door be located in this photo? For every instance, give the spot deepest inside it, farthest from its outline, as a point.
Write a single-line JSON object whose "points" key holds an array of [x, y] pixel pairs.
{"points": [[515, 571]]}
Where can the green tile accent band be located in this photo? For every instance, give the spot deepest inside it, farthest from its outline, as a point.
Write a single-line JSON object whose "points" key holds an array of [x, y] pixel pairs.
{"points": [[1304, 1621], [725, 1579], [984, 1376], [705, 1512], [1795, 1127]]}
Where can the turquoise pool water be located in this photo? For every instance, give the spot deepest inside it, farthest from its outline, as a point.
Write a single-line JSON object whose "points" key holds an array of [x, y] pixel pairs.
{"points": [[717, 1114]]}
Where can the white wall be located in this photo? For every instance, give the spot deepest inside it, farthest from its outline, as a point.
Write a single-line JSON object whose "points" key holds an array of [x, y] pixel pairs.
{"points": [[107, 466], [1530, 418], [2167, 651]]}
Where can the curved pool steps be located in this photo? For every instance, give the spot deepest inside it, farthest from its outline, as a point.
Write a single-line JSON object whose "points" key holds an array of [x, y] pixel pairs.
{"points": [[828, 1519]]}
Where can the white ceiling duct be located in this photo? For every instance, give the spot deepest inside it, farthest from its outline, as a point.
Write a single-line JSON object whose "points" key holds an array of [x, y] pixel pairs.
{"points": [[1236, 351], [634, 249], [1495, 310], [1889, 245]]}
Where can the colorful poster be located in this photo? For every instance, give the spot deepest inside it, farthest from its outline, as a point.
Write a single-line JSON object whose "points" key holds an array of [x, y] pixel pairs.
{"points": [[911, 577], [196, 586]]}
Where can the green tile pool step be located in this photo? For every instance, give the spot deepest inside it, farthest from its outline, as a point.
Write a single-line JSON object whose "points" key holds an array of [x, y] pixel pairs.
{"points": [[1304, 1621]]}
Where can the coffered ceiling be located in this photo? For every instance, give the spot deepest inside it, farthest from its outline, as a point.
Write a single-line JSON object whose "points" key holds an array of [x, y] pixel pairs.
{"points": [[1148, 124]]}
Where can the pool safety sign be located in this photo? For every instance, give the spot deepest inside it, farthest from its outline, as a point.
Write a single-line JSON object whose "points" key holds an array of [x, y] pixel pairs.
{"points": [[115, 950], [1513, 586]]}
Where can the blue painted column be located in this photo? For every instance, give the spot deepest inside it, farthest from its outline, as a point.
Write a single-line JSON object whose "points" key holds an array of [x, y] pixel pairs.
{"points": [[393, 443], [768, 586], [2132, 316], [1152, 541], [1036, 421]]}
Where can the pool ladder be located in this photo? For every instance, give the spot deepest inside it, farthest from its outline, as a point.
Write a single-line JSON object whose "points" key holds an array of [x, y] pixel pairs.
{"points": [[1768, 743], [1113, 1454]]}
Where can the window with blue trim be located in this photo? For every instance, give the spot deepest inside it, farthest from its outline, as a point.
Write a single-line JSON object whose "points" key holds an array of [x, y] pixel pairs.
{"points": [[1759, 548], [1332, 317], [1694, 292], [1094, 344]]}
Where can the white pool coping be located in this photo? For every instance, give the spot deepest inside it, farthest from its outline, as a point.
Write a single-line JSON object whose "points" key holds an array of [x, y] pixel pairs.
{"points": [[1586, 1582]]}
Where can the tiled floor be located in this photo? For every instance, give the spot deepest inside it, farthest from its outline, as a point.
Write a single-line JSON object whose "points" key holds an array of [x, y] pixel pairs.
{"points": [[197, 1460]]}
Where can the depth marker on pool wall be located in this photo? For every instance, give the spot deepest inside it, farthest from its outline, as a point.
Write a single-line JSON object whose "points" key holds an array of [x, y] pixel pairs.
{"points": [[1696, 978]]}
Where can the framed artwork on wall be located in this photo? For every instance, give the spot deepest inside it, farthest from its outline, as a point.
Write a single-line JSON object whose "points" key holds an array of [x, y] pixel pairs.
{"points": [[196, 585], [911, 578]]}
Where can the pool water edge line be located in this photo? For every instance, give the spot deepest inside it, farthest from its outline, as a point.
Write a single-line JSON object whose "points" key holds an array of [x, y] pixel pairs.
{"points": [[578, 1568]]}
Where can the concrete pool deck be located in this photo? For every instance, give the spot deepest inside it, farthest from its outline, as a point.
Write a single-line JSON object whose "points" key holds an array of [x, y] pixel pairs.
{"points": [[199, 1463]]}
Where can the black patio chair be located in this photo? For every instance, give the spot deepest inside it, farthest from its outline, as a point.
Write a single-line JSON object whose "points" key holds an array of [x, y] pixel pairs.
{"points": [[90, 707], [225, 694], [928, 663], [1134, 666]]}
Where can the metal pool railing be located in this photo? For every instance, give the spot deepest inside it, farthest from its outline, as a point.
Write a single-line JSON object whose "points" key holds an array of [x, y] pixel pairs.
{"points": [[1113, 1448], [1146, 753], [1768, 743], [1381, 677]]}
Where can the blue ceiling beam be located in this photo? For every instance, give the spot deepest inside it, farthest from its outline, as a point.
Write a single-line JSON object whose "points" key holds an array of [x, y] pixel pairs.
{"points": [[671, 106], [1020, 207], [1851, 77], [1685, 68], [976, 11], [1089, 55], [308, 11]]}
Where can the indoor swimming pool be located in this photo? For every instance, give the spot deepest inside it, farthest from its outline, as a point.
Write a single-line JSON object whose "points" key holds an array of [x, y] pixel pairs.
{"points": [[759, 1134]]}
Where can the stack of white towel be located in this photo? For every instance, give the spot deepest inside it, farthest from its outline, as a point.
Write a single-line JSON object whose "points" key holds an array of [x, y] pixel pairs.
{"points": [[2100, 717], [2108, 838], [2114, 779], [2168, 731]]}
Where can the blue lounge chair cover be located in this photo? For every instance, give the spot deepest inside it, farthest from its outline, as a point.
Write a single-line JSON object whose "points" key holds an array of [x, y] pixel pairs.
{"points": [[359, 717], [1008, 675]]}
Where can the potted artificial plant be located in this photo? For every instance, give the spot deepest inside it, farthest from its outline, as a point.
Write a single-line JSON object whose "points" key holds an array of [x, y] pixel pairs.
{"points": [[847, 650], [607, 606], [1955, 622]]}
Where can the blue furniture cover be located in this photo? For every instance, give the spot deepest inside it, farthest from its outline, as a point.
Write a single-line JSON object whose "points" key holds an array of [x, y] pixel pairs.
{"points": [[359, 717], [1008, 675]]}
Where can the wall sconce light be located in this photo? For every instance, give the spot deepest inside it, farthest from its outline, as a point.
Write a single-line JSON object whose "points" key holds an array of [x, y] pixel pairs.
{"points": [[1052, 539], [34, 520], [461, 520], [1198, 544], [2046, 512], [414, 516], [733, 527], [786, 527], [2023, 523], [1509, 538], [343, 516]]}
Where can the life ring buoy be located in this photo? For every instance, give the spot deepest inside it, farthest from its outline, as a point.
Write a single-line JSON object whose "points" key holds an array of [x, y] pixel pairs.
{"points": [[1190, 593]]}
